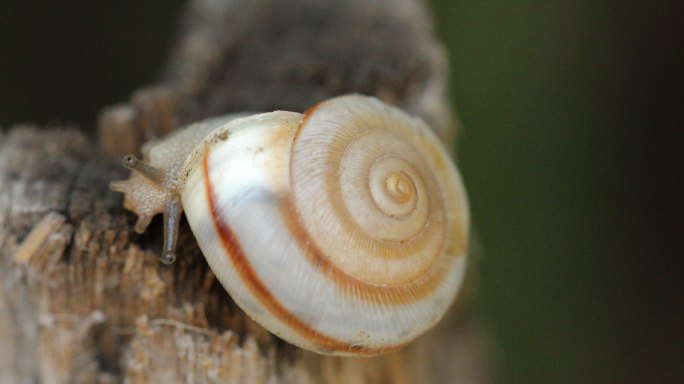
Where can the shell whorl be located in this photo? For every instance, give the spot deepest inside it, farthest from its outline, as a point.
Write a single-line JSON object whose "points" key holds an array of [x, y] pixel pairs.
{"points": [[342, 231], [381, 218]]}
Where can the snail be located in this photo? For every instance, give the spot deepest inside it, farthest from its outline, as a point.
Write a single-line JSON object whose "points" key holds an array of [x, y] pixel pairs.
{"points": [[343, 230]]}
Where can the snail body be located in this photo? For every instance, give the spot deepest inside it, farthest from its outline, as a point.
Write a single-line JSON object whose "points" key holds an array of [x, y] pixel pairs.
{"points": [[343, 230]]}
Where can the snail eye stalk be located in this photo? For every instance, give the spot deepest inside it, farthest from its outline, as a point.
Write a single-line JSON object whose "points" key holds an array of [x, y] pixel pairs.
{"points": [[148, 171]]}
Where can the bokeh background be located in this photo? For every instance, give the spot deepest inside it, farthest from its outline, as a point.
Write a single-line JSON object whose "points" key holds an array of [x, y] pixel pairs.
{"points": [[571, 148]]}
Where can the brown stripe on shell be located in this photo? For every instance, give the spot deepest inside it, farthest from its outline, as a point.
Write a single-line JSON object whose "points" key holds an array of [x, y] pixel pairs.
{"points": [[237, 257], [310, 112], [369, 293]]}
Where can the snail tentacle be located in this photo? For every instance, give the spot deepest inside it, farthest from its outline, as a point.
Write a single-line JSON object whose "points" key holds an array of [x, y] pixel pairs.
{"points": [[172, 214], [150, 172]]}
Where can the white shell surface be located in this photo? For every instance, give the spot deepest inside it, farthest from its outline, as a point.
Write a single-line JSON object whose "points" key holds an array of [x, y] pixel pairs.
{"points": [[238, 198]]}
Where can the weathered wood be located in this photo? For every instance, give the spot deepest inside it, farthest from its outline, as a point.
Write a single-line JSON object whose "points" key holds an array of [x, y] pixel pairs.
{"points": [[84, 299]]}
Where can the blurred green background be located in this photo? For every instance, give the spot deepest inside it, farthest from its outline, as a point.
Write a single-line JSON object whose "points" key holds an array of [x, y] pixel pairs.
{"points": [[571, 149], [572, 134]]}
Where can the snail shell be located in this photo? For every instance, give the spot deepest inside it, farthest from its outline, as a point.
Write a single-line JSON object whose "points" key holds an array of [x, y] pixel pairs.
{"points": [[342, 231]]}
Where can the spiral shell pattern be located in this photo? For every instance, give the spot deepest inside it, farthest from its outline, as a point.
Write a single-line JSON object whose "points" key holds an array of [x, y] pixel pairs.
{"points": [[343, 230]]}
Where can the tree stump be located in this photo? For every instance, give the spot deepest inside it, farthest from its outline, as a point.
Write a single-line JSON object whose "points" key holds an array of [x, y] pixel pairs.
{"points": [[84, 299]]}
